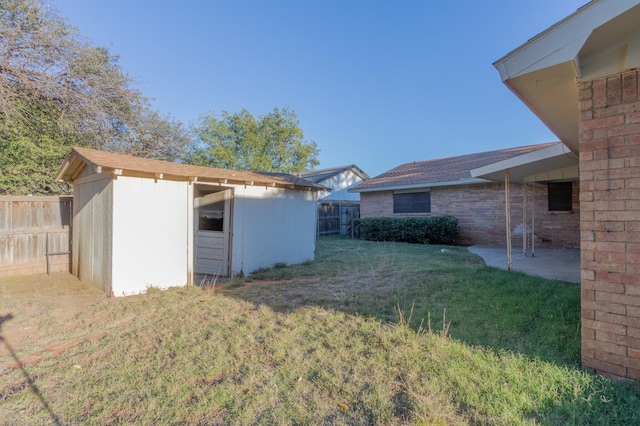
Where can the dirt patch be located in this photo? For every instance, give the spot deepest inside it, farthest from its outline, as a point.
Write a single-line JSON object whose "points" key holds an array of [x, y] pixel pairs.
{"points": [[255, 283], [41, 316], [34, 311], [336, 292]]}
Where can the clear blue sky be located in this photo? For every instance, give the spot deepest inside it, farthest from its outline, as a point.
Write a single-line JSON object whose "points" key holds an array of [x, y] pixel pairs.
{"points": [[375, 83]]}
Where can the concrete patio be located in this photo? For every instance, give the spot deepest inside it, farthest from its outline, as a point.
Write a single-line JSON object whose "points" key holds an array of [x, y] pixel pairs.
{"points": [[555, 264]]}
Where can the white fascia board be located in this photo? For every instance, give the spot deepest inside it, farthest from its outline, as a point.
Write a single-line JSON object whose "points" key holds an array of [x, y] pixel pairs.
{"points": [[563, 41], [520, 160], [541, 161], [469, 181]]}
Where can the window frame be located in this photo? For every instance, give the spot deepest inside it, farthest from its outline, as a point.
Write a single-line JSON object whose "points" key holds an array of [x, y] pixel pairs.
{"points": [[411, 198]]}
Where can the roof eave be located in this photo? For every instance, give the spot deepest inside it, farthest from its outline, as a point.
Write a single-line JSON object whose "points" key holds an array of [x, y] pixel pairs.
{"points": [[544, 71], [553, 158], [426, 185], [75, 162]]}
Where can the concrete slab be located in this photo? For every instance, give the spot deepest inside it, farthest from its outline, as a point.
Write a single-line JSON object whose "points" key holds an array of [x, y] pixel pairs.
{"points": [[555, 264]]}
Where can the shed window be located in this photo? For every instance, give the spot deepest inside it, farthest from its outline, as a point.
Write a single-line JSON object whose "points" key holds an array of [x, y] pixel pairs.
{"points": [[412, 202], [560, 196], [211, 217]]}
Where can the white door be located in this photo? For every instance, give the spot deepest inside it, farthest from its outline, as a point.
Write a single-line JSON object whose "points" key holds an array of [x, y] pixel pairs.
{"points": [[212, 223]]}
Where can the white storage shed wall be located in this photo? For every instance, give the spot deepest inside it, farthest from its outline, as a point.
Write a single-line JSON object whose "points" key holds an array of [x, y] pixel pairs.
{"points": [[150, 234], [92, 230], [132, 233], [272, 225]]}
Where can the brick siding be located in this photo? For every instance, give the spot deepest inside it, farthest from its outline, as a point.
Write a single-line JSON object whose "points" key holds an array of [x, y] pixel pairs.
{"points": [[480, 210], [610, 224]]}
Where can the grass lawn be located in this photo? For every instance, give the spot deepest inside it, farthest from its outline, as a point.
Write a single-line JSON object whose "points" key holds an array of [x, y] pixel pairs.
{"points": [[368, 333]]}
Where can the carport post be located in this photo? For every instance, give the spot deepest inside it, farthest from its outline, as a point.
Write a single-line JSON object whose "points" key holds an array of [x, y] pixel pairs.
{"points": [[524, 219], [507, 199], [533, 219]]}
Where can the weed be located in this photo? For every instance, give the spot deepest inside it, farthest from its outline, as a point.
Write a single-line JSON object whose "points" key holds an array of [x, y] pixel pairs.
{"points": [[341, 340], [209, 283]]}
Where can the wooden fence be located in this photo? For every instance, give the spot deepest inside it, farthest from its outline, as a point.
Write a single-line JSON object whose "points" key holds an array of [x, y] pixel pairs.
{"points": [[336, 217], [35, 234]]}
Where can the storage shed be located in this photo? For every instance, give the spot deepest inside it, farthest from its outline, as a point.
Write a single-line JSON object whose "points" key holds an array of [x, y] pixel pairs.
{"points": [[141, 223]]}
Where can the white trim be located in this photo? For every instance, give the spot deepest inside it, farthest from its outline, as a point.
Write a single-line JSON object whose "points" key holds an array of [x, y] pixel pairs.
{"points": [[469, 181], [563, 41], [554, 157], [599, 39]]}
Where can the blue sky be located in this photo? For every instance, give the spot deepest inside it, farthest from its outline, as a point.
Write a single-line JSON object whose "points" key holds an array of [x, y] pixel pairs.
{"points": [[376, 83]]}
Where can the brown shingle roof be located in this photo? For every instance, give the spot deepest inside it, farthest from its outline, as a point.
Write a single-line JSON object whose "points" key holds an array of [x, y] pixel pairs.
{"points": [[129, 165], [443, 170]]}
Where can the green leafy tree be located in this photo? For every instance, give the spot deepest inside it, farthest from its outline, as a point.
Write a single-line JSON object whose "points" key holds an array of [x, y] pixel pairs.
{"points": [[272, 143], [58, 90], [29, 154]]}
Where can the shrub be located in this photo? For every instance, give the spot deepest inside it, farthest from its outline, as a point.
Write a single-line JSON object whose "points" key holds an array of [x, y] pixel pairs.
{"points": [[415, 230]]}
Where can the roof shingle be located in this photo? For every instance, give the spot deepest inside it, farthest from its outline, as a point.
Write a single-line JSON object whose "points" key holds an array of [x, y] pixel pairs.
{"points": [[146, 166], [442, 170]]}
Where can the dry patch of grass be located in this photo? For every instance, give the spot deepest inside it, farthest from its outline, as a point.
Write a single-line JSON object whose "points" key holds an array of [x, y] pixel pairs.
{"points": [[321, 343], [46, 309]]}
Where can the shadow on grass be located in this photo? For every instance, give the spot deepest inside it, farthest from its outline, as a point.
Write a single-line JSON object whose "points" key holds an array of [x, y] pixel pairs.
{"points": [[34, 388], [440, 287]]}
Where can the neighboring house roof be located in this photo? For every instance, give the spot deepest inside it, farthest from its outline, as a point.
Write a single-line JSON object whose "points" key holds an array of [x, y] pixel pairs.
{"points": [[442, 171], [118, 164], [321, 175], [599, 39]]}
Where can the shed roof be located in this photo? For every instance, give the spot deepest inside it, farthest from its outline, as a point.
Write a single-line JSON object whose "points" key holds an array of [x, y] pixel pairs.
{"points": [[443, 171], [321, 175], [127, 165]]}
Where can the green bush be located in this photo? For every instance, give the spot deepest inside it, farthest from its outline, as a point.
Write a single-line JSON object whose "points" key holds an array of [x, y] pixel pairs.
{"points": [[415, 230]]}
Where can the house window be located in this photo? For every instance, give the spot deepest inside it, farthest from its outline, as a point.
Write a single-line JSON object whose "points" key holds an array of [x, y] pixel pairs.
{"points": [[412, 202], [560, 196]]}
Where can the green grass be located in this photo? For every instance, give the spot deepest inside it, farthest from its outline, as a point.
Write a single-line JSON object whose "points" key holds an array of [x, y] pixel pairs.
{"points": [[355, 337]]}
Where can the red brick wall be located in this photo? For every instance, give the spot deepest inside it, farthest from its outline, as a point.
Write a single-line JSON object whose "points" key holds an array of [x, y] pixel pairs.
{"points": [[610, 224], [480, 210]]}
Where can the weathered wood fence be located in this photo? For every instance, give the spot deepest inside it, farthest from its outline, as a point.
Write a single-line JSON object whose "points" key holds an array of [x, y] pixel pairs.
{"points": [[336, 217], [35, 234]]}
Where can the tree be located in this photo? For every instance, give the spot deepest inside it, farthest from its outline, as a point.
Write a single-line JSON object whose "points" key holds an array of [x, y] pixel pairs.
{"points": [[58, 90], [29, 155], [272, 143], [152, 136], [48, 68]]}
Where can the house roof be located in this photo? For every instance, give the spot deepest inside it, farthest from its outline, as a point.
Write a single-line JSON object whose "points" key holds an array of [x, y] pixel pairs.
{"points": [[126, 165], [322, 175], [443, 171], [599, 39]]}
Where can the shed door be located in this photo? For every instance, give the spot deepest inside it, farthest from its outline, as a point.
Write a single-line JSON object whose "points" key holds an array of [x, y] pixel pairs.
{"points": [[212, 223]]}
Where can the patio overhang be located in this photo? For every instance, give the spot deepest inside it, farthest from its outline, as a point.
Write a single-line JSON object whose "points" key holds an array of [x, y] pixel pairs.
{"points": [[599, 39], [556, 162]]}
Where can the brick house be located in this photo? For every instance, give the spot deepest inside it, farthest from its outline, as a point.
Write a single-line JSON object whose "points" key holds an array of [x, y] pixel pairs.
{"points": [[581, 78], [541, 204]]}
